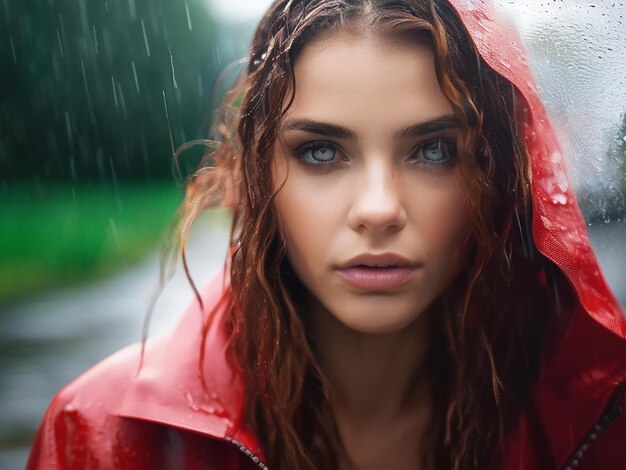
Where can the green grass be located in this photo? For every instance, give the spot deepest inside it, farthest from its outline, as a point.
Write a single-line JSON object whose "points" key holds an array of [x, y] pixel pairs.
{"points": [[57, 236]]}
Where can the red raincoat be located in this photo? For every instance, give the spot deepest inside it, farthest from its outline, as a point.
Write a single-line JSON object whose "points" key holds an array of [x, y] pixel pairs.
{"points": [[119, 415]]}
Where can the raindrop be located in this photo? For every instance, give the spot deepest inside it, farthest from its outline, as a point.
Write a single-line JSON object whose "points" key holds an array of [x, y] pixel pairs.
{"points": [[132, 63], [133, 9], [114, 91], [60, 44], [191, 402], [169, 126], [145, 38], [95, 39], [89, 105], [122, 100], [188, 16], [174, 74], [560, 199], [13, 49], [68, 127]]}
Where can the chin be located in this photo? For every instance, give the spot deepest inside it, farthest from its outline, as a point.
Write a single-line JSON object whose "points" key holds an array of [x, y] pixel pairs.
{"points": [[379, 321]]}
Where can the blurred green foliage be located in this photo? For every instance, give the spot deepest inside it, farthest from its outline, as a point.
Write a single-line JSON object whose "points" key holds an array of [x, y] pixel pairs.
{"points": [[70, 234], [93, 95], [84, 86]]}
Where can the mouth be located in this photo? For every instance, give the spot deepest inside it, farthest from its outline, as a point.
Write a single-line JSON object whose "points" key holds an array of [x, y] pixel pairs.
{"points": [[377, 272]]}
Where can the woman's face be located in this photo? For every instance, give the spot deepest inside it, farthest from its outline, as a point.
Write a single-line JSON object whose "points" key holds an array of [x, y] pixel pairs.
{"points": [[374, 223]]}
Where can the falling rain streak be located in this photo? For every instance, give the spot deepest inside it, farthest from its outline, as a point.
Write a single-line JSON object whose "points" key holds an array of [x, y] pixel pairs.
{"points": [[132, 64], [89, 103], [95, 39], [188, 16], [122, 100], [60, 44], [145, 38], [68, 128], [169, 125], [13, 50], [174, 83], [132, 9], [114, 91]]}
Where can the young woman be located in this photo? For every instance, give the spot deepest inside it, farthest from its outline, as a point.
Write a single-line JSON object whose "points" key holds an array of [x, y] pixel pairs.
{"points": [[410, 283]]}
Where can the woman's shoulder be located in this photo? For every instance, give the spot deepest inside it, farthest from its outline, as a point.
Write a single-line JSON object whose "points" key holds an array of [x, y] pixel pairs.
{"points": [[85, 427], [575, 417], [144, 406]]}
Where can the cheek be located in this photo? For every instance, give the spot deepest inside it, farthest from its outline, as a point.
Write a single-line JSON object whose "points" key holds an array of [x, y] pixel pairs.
{"points": [[301, 211], [445, 223]]}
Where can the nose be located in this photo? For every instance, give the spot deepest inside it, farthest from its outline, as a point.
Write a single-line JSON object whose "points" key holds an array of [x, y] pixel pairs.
{"points": [[378, 205]]}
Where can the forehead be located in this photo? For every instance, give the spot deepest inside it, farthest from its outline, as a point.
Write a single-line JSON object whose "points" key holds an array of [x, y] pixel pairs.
{"points": [[344, 76]]}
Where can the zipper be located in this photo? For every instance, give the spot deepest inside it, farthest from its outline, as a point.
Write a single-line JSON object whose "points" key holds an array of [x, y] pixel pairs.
{"points": [[612, 412], [247, 452]]}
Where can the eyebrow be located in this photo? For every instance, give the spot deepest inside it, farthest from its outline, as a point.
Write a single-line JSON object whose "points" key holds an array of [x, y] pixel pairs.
{"points": [[441, 123], [333, 130], [322, 128]]}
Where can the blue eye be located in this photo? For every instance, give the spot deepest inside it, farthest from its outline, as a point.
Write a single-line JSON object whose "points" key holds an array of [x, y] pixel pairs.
{"points": [[317, 153], [436, 151]]}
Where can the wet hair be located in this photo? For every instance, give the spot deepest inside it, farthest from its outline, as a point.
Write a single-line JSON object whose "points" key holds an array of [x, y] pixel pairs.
{"points": [[491, 322]]}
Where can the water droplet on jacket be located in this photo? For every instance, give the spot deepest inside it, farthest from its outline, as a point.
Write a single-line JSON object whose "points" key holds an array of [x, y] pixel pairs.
{"points": [[191, 402], [546, 222], [560, 199]]}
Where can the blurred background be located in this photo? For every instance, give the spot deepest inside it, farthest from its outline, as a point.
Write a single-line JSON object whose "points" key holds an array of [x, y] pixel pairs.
{"points": [[94, 96]]}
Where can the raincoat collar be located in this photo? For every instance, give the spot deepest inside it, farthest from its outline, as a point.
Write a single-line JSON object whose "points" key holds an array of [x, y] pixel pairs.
{"points": [[174, 387], [576, 382]]}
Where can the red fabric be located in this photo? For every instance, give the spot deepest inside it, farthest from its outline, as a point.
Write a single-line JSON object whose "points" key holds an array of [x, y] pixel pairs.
{"points": [[161, 415], [125, 413]]}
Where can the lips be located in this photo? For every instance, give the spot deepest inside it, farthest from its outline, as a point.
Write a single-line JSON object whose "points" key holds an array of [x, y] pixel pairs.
{"points": [[377, 272]]}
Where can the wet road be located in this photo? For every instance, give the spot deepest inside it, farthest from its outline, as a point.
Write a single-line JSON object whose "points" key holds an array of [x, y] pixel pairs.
{"points": [[50, 340]]}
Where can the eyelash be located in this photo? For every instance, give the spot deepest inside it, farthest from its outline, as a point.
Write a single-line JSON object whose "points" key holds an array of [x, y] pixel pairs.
{"points": [[314, 145], [300, 153]]}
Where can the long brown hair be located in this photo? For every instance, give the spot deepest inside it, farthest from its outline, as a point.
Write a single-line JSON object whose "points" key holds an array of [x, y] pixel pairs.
{"points": [[495, 316]]}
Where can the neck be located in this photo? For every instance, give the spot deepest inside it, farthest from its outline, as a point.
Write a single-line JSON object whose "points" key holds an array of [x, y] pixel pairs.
{"points": [[374, 378]]}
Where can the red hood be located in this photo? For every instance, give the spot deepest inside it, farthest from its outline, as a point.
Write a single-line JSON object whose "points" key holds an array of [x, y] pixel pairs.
{"points": [[559, 230], [590, 362]]}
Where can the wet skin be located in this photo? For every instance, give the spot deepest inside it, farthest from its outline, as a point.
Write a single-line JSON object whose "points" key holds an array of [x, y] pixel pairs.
{"points": [[369, 169]]}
